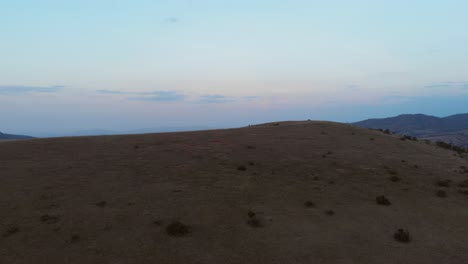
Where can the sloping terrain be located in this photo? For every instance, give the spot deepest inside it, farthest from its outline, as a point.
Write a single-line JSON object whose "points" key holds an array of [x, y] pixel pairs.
{"points": [[452, 129], [12, 137], [288, 192]]}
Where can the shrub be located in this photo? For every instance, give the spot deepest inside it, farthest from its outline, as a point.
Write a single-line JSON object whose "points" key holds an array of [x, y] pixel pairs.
{"points": [[402, 236], [251, 214], [443, 183], [177, 229], [395, 178], [330, 212], [382, 200], [242, 168], [309, 204]]}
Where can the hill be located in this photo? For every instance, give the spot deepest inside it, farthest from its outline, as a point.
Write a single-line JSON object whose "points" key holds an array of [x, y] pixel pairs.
{"points": [[12, 137], [452, 129], [287, 192]]}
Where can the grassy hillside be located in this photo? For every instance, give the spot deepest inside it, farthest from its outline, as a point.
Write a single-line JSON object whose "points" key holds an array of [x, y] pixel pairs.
{"points": [[288, 192]]}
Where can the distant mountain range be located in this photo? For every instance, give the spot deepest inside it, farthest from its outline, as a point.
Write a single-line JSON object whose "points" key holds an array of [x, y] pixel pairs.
{"points": [[451, 129], [11, 137]]}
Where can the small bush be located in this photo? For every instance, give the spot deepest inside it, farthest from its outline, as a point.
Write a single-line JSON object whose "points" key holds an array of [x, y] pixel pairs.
{"points": [[330, 212], [309, 204], [402, 236], [382, 200], [395, 178], [251, 214], [177, 229], [242, 168], [443, 183]]}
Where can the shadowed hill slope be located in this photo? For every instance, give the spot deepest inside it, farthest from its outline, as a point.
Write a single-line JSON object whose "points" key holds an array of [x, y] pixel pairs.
{"points": [[288, 192], [12, 137], [452, 129]]}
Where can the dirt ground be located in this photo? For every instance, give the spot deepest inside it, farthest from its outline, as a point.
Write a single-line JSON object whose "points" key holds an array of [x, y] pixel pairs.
{"points": [[287, 192]]}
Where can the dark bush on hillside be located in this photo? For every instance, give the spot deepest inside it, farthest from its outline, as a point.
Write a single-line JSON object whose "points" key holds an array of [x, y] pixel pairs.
{"points": [[443, 183], [395, 178], [177, 229], [382, 200], [402, 236], [242, 168]]}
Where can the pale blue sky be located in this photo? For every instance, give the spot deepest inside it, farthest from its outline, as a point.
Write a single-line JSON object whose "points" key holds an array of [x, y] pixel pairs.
{"points": [[69, 65]]}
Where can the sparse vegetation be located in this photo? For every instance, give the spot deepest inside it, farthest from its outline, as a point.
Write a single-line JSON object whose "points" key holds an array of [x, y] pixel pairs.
{"points": [[406, 137], [402, 235], [450, 146], [309, 204], [177, 229], [382, 200], [11, 231]]}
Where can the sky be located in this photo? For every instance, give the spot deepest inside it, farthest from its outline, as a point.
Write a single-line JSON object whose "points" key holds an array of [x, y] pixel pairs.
{"points": [[71, 65]]}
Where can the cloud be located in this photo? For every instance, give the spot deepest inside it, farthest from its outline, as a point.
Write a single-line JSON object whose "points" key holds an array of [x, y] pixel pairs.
{"points": [[160, 96], [449, 84], [440, 85], [171, 20], [29, 89], [110, 92], [215, 98]]}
